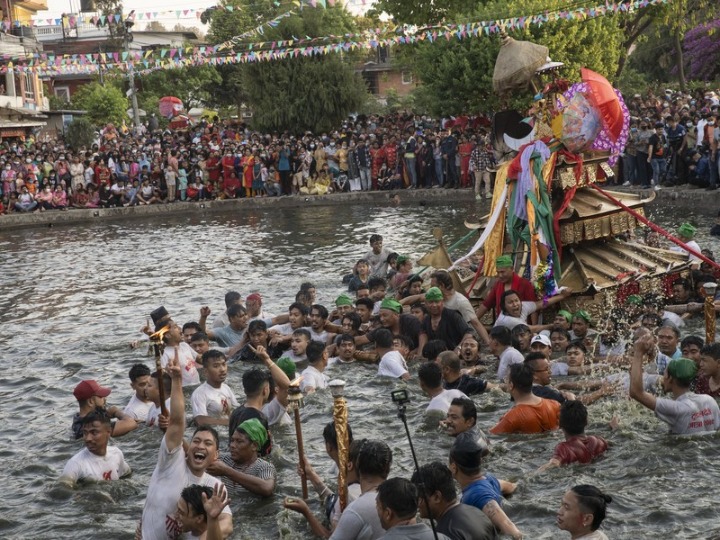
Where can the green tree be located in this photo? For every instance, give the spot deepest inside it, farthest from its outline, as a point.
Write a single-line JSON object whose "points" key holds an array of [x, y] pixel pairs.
{"points": [[301, 93], [102, 103], [195, 86], [422, 12], [80, 133]]}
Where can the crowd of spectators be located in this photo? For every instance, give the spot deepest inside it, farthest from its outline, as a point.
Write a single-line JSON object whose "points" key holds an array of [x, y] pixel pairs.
{"points": [[226, 160], [673, 140]]}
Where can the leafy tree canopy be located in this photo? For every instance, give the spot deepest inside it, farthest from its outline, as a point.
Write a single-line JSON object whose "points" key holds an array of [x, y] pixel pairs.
{"points": [[103, 103]]}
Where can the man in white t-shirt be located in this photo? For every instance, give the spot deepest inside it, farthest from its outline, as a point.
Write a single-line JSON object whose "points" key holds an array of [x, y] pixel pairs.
{"points": [[175, 347], [313, 377], [177, 469], [392, 364], [139, 405], [97, 461], [213, 401], [430, 375], [500, 346], [688, 413], [377, 257]]}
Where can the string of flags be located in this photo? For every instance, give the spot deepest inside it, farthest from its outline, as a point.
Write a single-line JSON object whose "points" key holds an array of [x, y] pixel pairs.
{"points": [[49, 65]]}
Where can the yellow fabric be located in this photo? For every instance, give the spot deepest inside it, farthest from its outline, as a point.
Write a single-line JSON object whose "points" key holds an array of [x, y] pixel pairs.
{"points": [[495, 242]]}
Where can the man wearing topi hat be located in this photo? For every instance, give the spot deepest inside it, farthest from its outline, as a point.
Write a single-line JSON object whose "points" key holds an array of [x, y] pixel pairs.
{"points": [[686, 233], [507, 280], [688, 413]]}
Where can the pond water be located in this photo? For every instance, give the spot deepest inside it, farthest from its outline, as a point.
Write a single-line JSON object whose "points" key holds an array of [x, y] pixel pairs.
{"points": [[74, 297]]}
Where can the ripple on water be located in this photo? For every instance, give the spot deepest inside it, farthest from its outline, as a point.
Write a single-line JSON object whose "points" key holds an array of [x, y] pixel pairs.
{"points": [[78, 295]]}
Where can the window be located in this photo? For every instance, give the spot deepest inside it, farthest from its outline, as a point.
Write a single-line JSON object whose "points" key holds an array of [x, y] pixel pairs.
{"points": [[62, 92], [29, 86], [407, 77]]}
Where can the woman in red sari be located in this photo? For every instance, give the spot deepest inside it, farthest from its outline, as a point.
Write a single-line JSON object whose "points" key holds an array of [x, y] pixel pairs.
{"points": [[227, 164], [465, 149]]}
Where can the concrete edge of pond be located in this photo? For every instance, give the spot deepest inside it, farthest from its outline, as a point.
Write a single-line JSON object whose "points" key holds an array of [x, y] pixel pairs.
{"points": [[698, 200]]}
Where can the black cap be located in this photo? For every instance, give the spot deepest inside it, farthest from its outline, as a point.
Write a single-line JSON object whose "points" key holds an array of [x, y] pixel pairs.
{"points": [[160, 317]]}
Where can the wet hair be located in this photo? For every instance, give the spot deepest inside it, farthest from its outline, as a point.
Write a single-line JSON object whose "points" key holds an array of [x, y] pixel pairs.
{"points": [[443, 278], [231, 297], [192, 495], [516, 332], [469, 410], [399, 495], [405, 340], [199, 336], [392, 258], [322, 310], [521, 376], [212, 354], [303, 297], [559, 330], [302, 332], [374, 459], [355, 320], [343, 338], [314, 351], [414, 278], [684, 283], [375, 282], [302, 308], [137, 371], [253, 381], [367, 302], [504, 296], [654, 318], [374, 238], [712, 350], [577, 344], [671, 326], [192, 324], [257, 325], [501, 334], [100, 414], [330, 434], [532, 358], [235, 310], [433, 348], [433, 477], [450, 360], [573, 417], [692, 340], [421, 306], [430, 375], [307, 285], [592, 501], [212, 432], [383, 338]]}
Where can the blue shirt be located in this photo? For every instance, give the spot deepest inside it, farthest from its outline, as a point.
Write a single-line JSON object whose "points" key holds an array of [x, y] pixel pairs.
{"points": [[482, 491]]}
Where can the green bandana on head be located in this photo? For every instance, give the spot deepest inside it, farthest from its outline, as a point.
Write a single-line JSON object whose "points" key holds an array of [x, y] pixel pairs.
{"points": [[682, 369], [583, 315], [686, 230], [566, 314], [255, 431], [392, 305], [343, 300], [288, 366], [504, 261], [402, 259], [433, 295]]}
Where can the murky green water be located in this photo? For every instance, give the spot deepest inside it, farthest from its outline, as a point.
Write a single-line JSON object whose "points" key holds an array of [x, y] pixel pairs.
{"points": [[73, 298]]}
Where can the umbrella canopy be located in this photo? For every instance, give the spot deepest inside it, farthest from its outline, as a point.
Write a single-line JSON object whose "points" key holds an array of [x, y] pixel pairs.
{"points": [[516, 64], [169, 106], [603, 97]]}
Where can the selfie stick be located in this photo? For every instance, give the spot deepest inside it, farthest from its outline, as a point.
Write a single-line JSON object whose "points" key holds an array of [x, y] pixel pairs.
{"points": [[401, 415]]}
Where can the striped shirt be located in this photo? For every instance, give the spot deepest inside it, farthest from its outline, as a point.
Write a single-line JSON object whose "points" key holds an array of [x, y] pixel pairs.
{"points": [[260, 468]]}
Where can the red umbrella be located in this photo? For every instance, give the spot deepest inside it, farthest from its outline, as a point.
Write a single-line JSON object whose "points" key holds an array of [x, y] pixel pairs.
{"points": [[170, 106], [605, 100]]}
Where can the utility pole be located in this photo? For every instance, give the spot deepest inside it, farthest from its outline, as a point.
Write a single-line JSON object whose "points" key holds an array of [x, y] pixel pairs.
{"points": [[129, 23]]}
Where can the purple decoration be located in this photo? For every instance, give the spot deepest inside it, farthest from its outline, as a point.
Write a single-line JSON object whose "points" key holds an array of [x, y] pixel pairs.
{"points": [[603, 142]]}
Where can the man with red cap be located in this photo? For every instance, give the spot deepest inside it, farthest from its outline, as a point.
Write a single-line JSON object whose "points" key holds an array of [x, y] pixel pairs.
{"points": [[91, 396], [253, 304]]}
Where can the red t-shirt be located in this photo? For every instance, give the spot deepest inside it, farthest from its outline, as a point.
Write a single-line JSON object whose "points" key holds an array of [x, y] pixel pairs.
{"points": [[520, 285], [580, 449], [702, 386]]}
